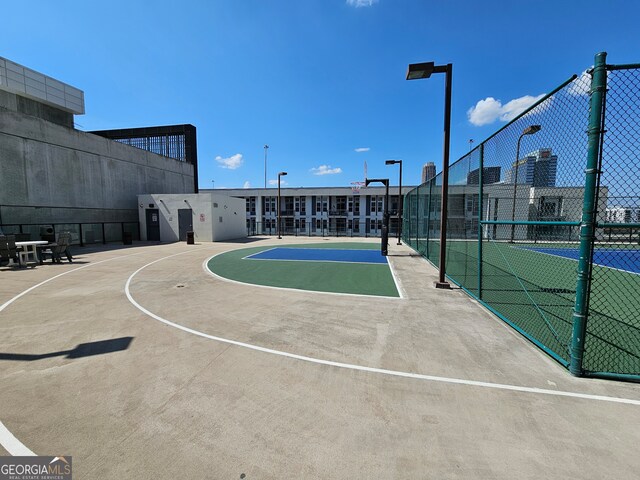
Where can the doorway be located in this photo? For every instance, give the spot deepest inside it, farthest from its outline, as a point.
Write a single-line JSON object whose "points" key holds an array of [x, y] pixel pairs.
{"points": [[153, 225], [185, 223]]}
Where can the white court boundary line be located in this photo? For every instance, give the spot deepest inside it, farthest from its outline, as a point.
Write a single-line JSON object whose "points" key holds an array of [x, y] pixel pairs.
{"points": [[533, 249], [12, 445], [250, 257], [238, 282], [348, 366], [8, 441]]}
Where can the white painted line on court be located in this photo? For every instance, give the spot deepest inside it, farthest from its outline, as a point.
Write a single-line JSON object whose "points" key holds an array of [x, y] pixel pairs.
{"points": [[399, 288], [8, 441], [251, 257], [258, 253], [311, 261], [10, 301], [12, 445], [348, 366], [205, 267], [541, 250]]}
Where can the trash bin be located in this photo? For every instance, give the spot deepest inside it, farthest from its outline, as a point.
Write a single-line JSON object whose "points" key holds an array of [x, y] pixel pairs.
{"points": [[46, 233], [127, 238], [190, 238]]}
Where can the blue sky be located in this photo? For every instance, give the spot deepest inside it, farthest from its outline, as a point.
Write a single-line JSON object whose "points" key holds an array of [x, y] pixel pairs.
{"points": [[322, 82]]}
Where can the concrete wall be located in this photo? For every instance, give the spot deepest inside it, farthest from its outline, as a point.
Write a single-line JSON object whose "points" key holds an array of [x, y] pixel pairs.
{"points": [[215, 217], [87, 177]]}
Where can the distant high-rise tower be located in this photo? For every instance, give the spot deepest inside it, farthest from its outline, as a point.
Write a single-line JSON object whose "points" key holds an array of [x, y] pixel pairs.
{"points": [[428, 171], [537, 168]]}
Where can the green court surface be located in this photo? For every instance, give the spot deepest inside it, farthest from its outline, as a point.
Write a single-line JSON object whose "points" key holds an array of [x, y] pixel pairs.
{"points": [[319, 276], [536, 292]]}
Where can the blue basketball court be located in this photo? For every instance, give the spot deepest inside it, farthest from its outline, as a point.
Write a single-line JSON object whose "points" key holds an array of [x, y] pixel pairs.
{"points": [[625, 260], [320, 255]]}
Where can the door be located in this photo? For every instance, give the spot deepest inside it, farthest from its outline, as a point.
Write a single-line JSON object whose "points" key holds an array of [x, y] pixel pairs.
{"points": [[153, 225], [185, 222]]}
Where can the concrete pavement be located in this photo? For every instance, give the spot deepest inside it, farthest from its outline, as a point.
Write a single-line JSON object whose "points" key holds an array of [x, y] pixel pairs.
{"points": [[178, 403]]}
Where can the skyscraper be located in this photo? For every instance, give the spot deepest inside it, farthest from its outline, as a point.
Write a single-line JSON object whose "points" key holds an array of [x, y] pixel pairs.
{"points": [[428, 171], [537, 169], [489, 175]]}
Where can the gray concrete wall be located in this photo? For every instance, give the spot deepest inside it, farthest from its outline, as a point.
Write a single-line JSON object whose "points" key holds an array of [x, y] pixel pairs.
{"points": [[73, 176], [27, 106]]}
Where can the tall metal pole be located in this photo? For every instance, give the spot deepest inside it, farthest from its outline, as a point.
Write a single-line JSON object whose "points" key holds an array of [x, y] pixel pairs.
{"points": [[442, 283], [400, 206], [266, 147], [399, 210], [385, 215], [588, 223], [480, 197], [515, 188]]}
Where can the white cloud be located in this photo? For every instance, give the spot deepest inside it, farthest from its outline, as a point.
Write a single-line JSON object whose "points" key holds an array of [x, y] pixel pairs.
{"points": [[361, 149], [246, 184], [361, 3], [581, 85], [232, 162], [326, 170], [489, 110], [275, 182]]}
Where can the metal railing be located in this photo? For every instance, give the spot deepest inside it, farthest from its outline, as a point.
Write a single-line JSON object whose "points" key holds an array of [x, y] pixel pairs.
{"points": [[360, 229], [81, 233]]}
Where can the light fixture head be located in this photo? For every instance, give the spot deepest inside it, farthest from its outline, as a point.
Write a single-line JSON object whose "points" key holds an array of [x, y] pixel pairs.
{"points": [[531, 129], [420, 70], [392, 162], [282, 173]]}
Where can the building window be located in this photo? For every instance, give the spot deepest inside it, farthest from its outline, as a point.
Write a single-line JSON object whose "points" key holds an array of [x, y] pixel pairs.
{"points": [[356, 205], [303, 207], [356, 225], [373, 204]]}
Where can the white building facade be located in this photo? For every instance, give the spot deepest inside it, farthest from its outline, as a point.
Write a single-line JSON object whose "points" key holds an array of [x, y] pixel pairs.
{"points": [[318, 211]]}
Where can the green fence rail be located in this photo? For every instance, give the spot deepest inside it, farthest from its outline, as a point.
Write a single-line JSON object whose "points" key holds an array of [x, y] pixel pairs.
{"points": [[543, 223]]}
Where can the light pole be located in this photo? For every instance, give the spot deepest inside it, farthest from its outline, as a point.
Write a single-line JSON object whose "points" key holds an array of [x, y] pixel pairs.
{"points": [[280, 174], [384, 240], [530, 130], [417, 71], [393, 162], [266, 147]]}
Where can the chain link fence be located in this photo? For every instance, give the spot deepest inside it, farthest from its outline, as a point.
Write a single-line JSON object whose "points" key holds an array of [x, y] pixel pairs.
{"points": [[516, 224]]}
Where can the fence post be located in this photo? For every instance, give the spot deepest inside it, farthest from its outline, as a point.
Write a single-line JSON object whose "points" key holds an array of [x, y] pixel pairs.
{"points": [[426, 250], [588, 223], [480, 197]]}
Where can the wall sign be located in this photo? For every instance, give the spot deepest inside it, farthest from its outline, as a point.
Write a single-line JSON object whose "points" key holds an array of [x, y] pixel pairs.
{"points": [[202, 217]]}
